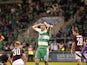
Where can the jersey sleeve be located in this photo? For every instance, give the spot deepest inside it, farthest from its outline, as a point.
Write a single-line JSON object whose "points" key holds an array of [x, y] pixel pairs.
{"points": [[37, 29], [73, 39]]}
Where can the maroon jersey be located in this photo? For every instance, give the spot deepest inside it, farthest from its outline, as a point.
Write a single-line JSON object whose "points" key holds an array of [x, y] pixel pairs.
{"points": [[16, 53], [78, 42]]}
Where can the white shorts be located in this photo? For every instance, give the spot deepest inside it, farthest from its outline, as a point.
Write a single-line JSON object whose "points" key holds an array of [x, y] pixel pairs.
{"points": [[18, 62], [78, 55], [47, 55]]}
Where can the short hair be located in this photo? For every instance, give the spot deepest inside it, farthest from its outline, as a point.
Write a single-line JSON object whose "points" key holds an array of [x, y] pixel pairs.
{"points": [[17, 42], [43, 23], [76, 30]]}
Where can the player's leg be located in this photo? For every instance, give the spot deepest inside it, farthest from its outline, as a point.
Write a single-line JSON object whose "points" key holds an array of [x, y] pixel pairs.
{"points": [[28, 58], [47, 56], [46, 62], [44, 55], [79, 62], [37, 61], [37, 56], [32, 57], [78, 57]]}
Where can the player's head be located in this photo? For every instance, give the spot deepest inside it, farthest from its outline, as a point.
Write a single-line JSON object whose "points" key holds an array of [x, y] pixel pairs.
{"points": [[17, 43], [43, 26], [3, 58], [30, 46], [75, 31]]}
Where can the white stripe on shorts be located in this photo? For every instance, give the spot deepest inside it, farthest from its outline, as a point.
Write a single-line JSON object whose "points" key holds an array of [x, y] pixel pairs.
{"points": [[47, 55]]}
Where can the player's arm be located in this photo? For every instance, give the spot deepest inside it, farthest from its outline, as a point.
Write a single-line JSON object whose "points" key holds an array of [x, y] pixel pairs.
{"points": [[24, 58], [10, 58], [73, 47], [35, 27], [48, 26], [2, 38], [83, 50]]}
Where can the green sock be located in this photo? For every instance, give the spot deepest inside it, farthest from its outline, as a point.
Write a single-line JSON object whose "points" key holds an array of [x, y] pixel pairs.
{"points": [[36, 63]]}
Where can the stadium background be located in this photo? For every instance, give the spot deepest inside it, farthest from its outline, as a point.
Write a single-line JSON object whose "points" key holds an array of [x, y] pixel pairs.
{"points": [[17, 17]]}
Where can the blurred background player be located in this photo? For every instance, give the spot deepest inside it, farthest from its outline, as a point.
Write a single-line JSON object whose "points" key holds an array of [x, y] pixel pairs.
{"points": [[18, 56], [43, 39], [3, 59], [1, 37], [84, 49], [30, 53], [1, 40], [77, 45]]}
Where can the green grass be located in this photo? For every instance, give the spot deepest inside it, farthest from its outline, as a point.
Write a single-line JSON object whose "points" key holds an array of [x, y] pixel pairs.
{"points": [[53, 63]]}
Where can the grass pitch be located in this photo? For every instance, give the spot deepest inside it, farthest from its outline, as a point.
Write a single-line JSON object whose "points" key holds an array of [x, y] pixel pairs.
{"points": [[53, 63]]}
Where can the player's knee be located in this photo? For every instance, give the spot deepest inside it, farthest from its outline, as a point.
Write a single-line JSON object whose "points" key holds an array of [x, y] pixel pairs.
{"points": [[37, 60], [79, 62]]}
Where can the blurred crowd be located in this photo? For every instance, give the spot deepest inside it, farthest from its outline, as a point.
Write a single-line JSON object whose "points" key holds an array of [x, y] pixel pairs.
{"points": [[76, 12], [15, 18]]}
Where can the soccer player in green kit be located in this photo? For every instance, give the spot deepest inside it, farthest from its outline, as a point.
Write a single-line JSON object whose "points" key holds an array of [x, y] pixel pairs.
{"points": [[42, 51]]}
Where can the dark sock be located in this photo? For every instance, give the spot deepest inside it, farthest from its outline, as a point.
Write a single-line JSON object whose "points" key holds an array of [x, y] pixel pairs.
{"points": [[46, 63], [36, 63]]}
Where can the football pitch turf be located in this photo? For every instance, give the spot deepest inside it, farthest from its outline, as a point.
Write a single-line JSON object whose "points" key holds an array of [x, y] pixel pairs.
{"points": [[53, 63]]}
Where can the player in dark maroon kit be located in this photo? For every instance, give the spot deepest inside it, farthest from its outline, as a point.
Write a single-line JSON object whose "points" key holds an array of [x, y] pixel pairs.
{"points": [[77, 44], [18, 56]]}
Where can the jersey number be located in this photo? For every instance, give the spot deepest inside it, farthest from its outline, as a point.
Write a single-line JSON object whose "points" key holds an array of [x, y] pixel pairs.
{"points": [[79, 41], [16, 52]]}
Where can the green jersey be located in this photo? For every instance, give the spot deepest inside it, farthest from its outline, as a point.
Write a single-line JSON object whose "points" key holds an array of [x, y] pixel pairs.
{"points": [[43, 38]]}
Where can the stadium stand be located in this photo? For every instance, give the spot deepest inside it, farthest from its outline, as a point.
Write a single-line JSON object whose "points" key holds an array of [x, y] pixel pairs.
{"points": [[17, 17]]}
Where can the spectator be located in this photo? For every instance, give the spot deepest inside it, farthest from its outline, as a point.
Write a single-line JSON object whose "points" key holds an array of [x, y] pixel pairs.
{"points": [[54, 46], [1, 37], [30, 53], [61, 47]]}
